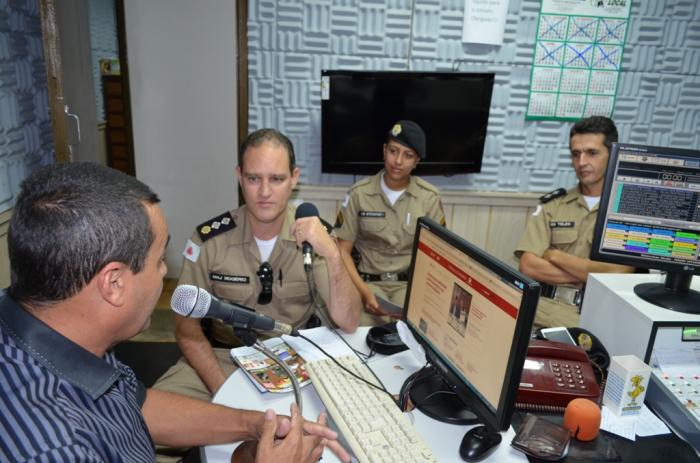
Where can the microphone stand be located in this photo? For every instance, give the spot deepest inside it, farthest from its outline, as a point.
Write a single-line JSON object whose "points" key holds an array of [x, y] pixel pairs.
{"points": [[325, 321], [316, 300], [250, 339]]}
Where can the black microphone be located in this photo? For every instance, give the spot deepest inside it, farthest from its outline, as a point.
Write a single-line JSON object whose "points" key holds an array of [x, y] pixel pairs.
{"points": [[193, 302], [306, 210]]}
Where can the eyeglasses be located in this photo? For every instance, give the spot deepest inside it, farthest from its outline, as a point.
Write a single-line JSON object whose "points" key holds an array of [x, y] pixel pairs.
{"points": [[266, 279]]}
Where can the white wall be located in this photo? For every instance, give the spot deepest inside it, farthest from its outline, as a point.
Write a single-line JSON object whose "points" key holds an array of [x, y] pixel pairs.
{"points": [[183, 99]]}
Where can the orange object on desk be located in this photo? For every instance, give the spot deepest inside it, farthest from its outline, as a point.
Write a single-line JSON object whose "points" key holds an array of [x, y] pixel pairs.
{"points": [[582, 419]]}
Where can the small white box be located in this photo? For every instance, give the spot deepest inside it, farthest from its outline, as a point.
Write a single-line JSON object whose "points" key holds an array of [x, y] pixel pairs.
{"points": [[628, 380]]}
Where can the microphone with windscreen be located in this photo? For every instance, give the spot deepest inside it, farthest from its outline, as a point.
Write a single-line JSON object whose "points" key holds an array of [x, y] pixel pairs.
{"points": [[193, 302]]}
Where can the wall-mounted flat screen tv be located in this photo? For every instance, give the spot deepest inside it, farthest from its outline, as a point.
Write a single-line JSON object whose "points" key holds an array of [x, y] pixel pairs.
{"points": [[358, 108]]}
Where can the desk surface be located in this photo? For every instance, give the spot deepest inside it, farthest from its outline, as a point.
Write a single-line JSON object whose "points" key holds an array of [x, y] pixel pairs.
{"points": [[444, 439]]}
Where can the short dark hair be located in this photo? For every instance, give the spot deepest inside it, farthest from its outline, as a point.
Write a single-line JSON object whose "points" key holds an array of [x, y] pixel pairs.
{"points": [[260, 136], [596, 124], [69, 221]]}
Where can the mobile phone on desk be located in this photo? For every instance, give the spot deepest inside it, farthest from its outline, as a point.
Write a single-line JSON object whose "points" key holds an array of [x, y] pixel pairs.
{"points": [[560, 334]]}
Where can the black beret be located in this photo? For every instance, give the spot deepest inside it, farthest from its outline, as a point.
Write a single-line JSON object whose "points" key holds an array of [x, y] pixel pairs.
{"points": [[409, 134]]}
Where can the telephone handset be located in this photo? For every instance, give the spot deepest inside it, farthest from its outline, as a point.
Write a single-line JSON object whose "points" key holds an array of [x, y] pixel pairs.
{"points": [[555, 373]]}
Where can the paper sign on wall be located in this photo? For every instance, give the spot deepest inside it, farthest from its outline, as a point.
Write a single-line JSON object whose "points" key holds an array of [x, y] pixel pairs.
{"points": [[484, 21]]}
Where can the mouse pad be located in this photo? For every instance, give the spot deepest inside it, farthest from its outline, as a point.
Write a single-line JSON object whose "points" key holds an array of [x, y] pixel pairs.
{"points": [[598, 450]]}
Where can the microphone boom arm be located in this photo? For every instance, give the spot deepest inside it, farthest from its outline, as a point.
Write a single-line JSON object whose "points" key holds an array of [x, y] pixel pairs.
{"points": [[259, 346]]}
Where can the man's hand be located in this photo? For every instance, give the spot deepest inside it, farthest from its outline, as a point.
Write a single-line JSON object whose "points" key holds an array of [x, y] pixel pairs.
{"points": [[550, 255], [311, 230], [296, 440], [370, 301]]}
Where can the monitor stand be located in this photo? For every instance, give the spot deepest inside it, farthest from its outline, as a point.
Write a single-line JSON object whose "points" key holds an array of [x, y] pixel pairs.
{"points": [[673, 294], [436, 399]]}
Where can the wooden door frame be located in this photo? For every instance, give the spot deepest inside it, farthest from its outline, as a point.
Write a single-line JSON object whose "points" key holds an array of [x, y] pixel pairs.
{"points": [[242, 67], [54, 79], [242, 77], [124, 75]]}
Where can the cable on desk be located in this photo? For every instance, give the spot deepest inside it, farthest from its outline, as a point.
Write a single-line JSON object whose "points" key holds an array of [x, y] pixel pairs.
{"points": [[382, 388], [325, 319], [404, 393]]}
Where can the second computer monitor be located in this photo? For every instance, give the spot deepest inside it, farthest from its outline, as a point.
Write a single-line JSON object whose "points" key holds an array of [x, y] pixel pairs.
{"points": [[649, 217], [473, 314]]}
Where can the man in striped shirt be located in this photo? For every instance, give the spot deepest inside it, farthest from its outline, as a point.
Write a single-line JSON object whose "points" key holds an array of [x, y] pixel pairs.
{"points": [[87, 254]]}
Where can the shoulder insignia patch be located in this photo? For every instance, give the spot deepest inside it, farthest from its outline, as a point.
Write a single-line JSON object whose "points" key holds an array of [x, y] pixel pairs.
{"points": [[552, 195], [216, 226], [191, 251]]}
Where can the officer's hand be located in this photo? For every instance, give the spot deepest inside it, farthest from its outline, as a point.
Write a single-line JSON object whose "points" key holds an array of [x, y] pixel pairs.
{"points": [[549, 254], [371, 303], [311, 230]]}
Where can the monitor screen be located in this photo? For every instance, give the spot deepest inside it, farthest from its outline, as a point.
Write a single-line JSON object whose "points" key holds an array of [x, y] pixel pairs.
{"points": [[649, 214], [358, 108], [473, 314]]}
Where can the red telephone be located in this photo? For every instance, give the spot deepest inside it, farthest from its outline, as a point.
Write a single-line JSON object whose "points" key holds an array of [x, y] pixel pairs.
{"points": [[555, 373]]}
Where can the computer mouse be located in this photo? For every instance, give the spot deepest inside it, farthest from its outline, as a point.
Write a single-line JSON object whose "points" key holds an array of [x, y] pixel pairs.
{"points": [[478, 443]]}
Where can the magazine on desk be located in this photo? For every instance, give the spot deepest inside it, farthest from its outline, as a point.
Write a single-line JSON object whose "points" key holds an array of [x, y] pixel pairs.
{"points": [[265, 374]]}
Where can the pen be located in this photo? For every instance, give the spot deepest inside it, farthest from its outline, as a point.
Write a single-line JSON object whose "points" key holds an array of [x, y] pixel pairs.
{"points": [[280, 277]]}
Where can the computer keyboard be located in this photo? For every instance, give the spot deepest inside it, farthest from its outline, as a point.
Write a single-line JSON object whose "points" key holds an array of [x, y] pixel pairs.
{"points": [[373, 426]]}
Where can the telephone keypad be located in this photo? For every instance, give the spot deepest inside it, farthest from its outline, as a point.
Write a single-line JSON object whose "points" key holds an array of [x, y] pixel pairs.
{"points": [[568, 376]]}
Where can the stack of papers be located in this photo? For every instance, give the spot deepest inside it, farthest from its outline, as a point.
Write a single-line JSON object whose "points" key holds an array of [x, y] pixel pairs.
{"points": [[642, 425]]}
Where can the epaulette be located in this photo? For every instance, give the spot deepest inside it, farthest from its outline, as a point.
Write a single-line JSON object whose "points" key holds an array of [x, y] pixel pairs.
{"points": [[552, 195], [426, 185], [360, 183], [216, 226], [339, 219]]}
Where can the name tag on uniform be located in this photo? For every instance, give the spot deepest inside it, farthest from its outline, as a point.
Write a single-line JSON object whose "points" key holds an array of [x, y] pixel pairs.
{"points": [[561, 224], [240, 279], [381, 214]]}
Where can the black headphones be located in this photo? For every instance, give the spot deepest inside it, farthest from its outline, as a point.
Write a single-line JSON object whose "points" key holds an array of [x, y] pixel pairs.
{"points": [[385, 339]]}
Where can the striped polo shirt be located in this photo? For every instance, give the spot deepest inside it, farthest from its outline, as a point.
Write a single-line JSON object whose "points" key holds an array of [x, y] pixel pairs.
{"points": [[60, 403]]}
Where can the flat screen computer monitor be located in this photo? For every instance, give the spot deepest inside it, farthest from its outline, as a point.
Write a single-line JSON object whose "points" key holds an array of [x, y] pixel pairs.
{"points": [[473, 315], [649, 217]]}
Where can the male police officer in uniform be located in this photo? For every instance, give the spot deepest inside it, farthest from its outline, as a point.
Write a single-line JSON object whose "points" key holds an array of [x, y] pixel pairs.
{"points": [[557, 241], [251, 256], [378, 218]]}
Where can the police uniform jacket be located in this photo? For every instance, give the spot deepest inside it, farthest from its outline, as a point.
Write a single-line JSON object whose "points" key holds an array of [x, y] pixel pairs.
{"points": [[223, 258], [565, 223], [382, 233]]}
